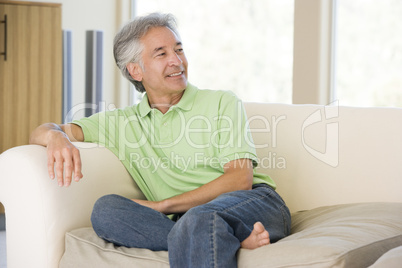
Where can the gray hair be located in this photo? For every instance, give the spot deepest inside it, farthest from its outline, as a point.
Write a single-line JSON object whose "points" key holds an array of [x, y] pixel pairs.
{"points": [[127, 46]]}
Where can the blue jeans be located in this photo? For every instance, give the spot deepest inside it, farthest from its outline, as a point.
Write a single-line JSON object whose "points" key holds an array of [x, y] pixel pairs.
{"points": [[205, 236]]}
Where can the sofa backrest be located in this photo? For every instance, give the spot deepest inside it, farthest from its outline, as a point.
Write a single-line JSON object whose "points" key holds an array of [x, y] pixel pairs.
{"points": [[325, 155]]}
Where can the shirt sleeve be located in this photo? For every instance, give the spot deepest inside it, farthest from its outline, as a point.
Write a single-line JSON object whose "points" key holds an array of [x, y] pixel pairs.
{"points": [[96, 128], [235, 140], [89, 127]]}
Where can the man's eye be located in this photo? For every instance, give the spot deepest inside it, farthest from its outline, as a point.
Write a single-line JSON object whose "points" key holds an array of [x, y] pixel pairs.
{"points": [[161, 55], [180, 50]]}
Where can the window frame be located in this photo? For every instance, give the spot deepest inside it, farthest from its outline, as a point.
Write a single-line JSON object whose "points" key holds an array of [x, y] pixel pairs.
{"points": [[313, 57]]}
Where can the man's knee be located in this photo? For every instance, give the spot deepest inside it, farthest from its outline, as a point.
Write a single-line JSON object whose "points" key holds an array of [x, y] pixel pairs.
{"points": [[106, 202], [198, 214], [194, 222], [102, 213]]}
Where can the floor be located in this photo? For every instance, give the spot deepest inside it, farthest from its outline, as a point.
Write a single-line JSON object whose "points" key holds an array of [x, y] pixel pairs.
{"points": [[3, 260]]}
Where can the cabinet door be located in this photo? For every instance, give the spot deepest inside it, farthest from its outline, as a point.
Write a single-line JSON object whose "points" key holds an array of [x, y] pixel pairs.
{"points": [[31, 77]]}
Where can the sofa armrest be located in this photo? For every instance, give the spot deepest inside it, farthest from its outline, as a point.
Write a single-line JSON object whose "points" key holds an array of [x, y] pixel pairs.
{"points": [[39, 212]]}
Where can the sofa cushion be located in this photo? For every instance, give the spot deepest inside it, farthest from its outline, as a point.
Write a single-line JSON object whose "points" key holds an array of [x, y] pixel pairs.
{"points": [[391, 259], [352, 235], [85, 249]]}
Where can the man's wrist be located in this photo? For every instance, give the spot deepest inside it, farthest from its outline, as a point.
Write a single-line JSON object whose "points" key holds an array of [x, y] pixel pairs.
{"points": [[56, 134], [164, 207]]}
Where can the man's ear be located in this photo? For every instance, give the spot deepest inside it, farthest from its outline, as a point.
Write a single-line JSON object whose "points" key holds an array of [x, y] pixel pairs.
{"points": [[135, 71]]}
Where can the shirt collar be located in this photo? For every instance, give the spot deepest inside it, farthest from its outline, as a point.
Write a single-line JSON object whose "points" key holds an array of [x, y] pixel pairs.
{"points": [[186, 102]]}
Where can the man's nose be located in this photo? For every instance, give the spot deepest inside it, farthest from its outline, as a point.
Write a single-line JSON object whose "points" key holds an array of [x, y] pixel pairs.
{"points": [[175, 59]]}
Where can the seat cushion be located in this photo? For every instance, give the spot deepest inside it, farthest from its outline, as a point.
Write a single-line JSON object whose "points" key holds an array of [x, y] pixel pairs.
{"points": [[391, 259], [84, 247], [352, 235]]}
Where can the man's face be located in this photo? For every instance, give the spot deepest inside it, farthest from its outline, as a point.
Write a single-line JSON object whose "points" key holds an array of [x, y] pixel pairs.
{"points": [[164, 63]]}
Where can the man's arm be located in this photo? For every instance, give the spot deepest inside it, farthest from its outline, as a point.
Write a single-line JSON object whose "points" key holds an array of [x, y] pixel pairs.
{"points": [[238, 175], [62, 154]]}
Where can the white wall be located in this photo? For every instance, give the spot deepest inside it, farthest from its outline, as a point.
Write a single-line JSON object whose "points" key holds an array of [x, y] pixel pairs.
{"points": [[108, 16], [313, 55], [311, 78]]}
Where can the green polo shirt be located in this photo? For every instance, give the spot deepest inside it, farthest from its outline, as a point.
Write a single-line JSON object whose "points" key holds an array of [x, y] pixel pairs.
{"points": [[176, 152]]}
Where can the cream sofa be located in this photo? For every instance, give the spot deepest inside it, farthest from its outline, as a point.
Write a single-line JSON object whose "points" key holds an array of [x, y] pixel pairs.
{"points": [[338, 168]]}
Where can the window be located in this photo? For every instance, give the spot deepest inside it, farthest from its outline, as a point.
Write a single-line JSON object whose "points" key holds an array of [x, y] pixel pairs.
{"points": [[241, 45], [369, 53]]}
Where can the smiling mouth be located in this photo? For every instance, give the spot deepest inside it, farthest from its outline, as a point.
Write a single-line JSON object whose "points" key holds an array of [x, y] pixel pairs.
{"points": [[175, 74]]}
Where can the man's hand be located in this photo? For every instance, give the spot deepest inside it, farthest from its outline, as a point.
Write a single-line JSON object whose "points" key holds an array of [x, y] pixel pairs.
{"points": [[62, 154], [238, 175], [151, 204]]}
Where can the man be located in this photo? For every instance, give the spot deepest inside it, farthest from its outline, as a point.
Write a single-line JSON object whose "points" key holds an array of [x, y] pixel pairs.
{"points": [[189, 151]]}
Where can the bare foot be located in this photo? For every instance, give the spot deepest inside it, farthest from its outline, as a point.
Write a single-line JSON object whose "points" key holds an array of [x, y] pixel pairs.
{"points": [[259, 237]]}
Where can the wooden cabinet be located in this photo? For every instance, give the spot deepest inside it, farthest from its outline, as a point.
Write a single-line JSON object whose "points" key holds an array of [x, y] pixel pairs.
{"points": [[31, 71]]}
